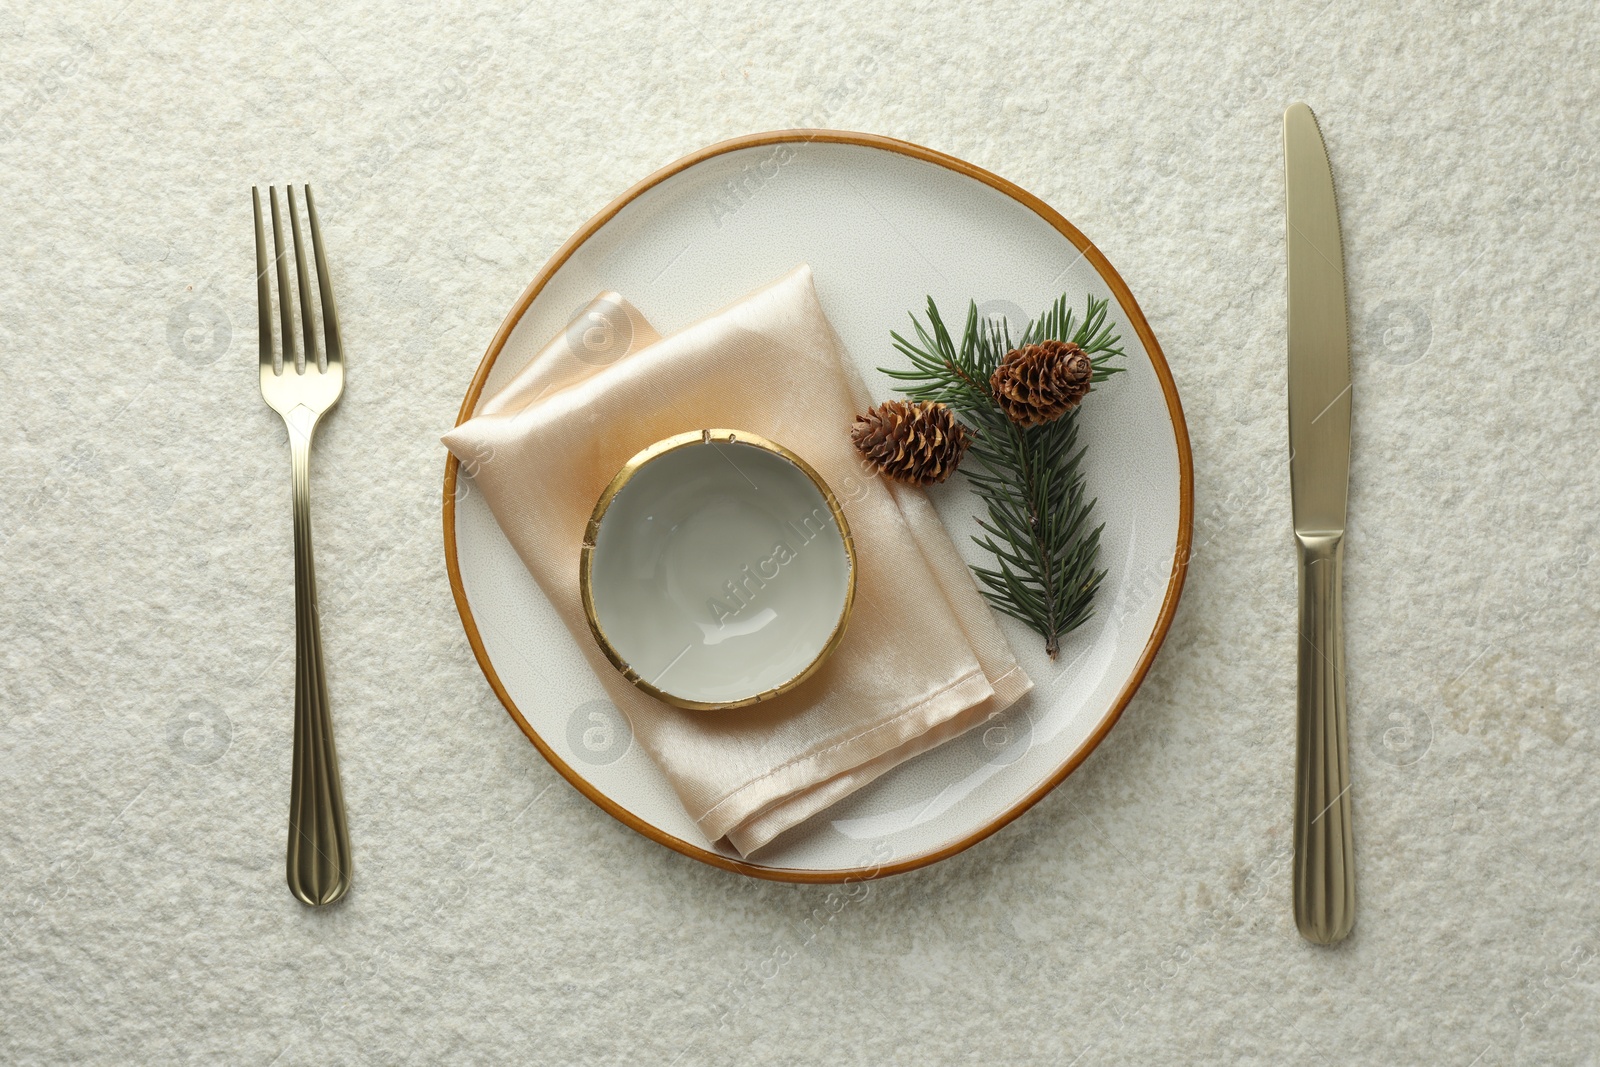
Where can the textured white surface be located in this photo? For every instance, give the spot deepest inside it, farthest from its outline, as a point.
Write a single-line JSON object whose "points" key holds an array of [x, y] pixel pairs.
{"points": [[1140, 913]]}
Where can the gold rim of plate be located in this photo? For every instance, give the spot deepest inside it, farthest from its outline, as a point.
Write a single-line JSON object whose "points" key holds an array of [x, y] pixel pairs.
{"points": [[592, 532]]}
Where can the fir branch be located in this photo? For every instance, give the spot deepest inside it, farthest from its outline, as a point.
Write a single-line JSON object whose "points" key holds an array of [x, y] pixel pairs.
{"points": [[1035, 519]]}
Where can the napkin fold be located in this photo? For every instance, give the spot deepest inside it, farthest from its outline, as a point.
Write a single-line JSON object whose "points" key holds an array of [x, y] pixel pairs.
{"points": [[922, 658]]}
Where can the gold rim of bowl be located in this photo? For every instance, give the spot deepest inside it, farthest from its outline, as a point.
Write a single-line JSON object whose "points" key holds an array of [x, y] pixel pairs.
{"points": [[592, 532]]}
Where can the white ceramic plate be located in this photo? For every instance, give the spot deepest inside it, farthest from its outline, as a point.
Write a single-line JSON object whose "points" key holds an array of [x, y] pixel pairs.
{"points": [[883, 224]]}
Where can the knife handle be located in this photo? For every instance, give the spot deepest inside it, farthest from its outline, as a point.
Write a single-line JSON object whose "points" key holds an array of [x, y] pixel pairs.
{"points": [[1324, 848]]}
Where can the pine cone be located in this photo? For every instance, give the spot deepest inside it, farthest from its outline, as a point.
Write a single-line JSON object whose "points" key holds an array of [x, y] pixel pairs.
{"points": [[1039, 383], [917, 443]]}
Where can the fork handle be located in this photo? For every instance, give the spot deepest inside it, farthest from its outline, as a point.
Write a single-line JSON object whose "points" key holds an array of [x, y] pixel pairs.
{"points": [[319, 839], [1324, 847]]}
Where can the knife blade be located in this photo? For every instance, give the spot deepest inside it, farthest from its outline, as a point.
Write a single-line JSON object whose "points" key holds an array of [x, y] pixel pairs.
{"points": [[1319, 476]]}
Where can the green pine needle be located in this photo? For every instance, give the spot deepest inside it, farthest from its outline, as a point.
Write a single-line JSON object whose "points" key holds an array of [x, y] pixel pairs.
{"points": [[1035, 519]]}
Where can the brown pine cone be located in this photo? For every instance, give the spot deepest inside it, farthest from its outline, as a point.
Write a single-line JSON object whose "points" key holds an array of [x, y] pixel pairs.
{"points": [[918, 443], [1039, 383]]}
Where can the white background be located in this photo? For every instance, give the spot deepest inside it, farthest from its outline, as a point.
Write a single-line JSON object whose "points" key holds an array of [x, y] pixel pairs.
{"points": [[1140, 914]]}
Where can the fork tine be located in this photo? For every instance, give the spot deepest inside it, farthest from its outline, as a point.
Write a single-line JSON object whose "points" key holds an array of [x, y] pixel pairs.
{"points": [[306, 307], [263, 291], [330, 311], [285, 301]]}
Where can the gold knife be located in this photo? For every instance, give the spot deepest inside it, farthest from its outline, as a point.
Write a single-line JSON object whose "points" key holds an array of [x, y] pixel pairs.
{"points": [[1319, 475]]}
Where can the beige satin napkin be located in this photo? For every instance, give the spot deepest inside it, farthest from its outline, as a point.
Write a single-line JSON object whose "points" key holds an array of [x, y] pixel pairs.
{"points": [[922, 658]]}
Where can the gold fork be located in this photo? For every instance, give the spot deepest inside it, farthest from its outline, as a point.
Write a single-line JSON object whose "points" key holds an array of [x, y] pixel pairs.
{"points": [[302, 392]]}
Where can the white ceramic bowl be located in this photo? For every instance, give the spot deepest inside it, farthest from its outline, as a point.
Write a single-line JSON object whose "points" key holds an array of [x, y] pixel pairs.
{"points": [[717, 570]]}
